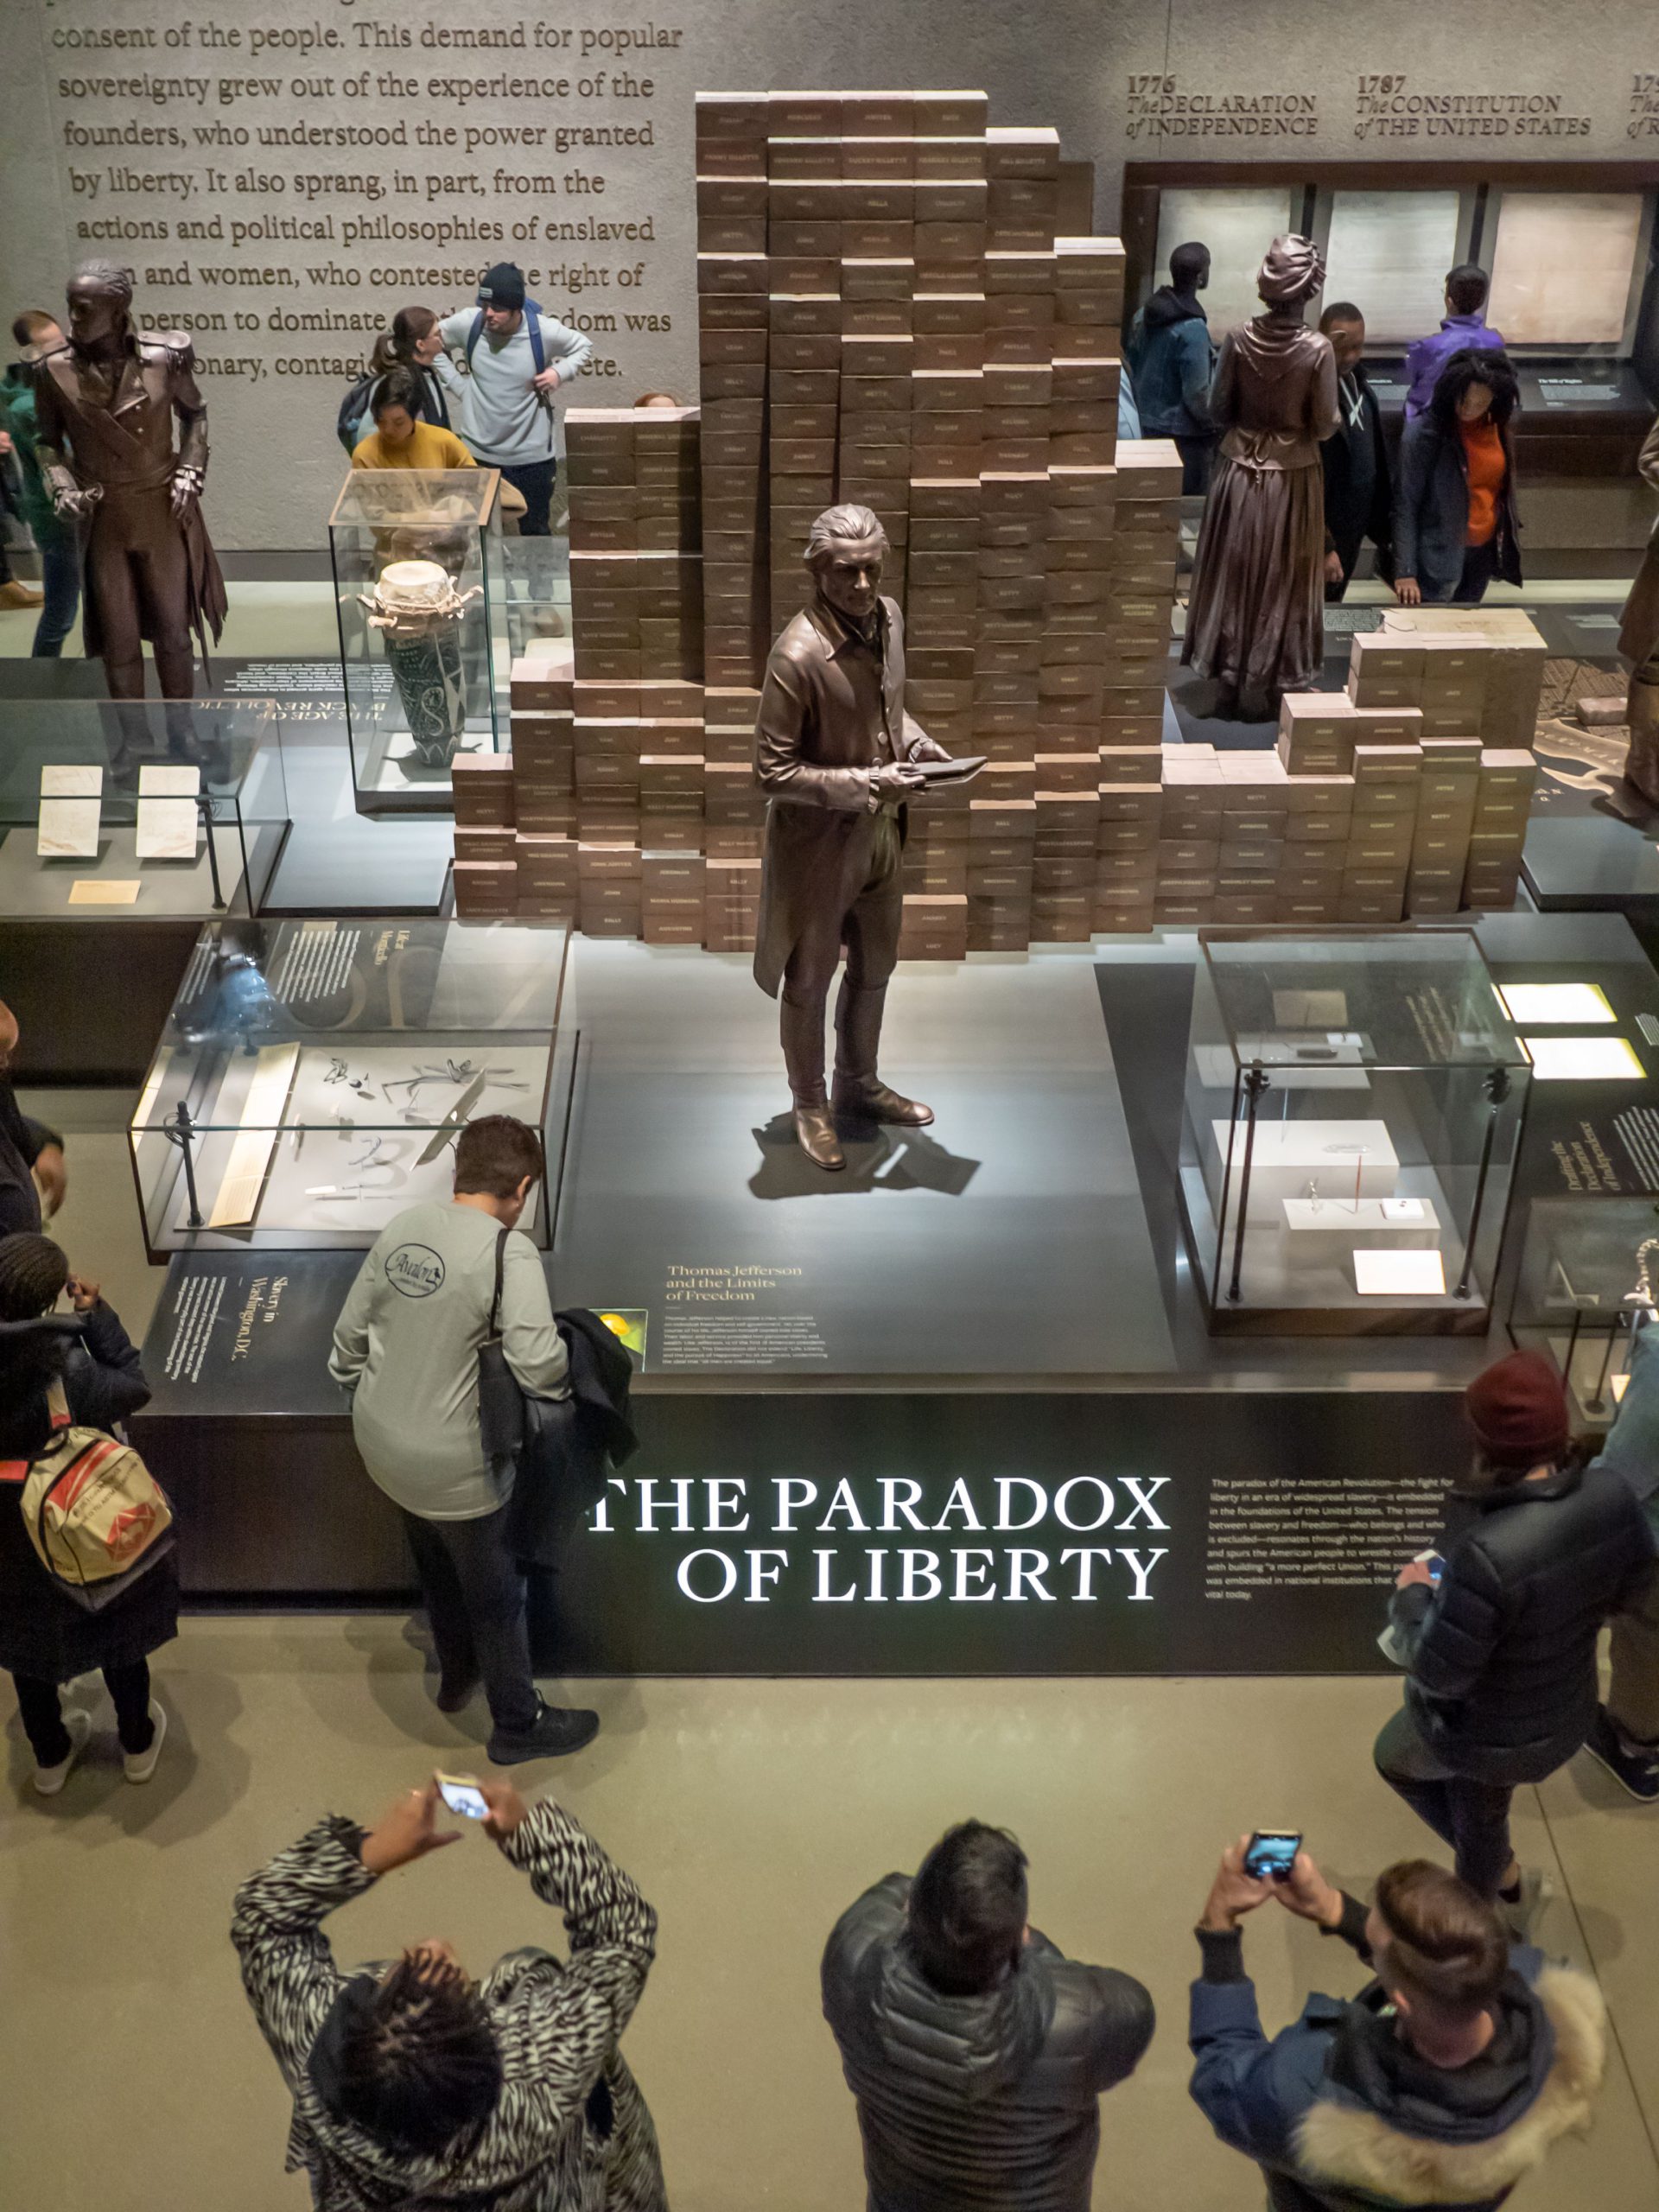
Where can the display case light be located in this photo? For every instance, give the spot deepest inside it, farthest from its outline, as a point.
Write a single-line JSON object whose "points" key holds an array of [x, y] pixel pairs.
{"points": [[1584, 1059], [1399, 1274], [1548, 1002]]}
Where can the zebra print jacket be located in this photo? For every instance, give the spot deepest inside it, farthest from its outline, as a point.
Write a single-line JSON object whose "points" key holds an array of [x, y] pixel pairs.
{"points": [[571, 2132]]}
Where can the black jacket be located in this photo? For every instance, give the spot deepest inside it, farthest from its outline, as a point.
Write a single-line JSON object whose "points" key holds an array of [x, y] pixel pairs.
{"points": [[976, 2104], [1431, 510], [573, 1439], [21, 1142], [42, 1632], [1358, 492], [1502, 1656]]}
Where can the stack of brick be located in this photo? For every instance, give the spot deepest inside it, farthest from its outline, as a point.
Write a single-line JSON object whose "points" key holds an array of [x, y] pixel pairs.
{"points": [[636, 607], [1430, 750], [735, 353]]}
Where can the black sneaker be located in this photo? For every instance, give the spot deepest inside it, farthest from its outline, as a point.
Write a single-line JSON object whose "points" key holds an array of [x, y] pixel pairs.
{"points": [[1636, 1773], [556, 1731], [455, 1697]]}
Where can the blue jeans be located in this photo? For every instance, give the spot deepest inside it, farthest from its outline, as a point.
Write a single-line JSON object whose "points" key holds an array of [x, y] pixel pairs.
{"points": [[536, 481], [60, 581]]}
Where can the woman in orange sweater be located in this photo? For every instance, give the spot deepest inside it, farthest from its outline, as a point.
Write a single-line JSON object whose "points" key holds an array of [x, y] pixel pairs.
{"points": [[1454, 522]]}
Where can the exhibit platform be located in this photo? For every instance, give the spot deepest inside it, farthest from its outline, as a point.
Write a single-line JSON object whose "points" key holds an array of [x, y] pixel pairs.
{"points": [[956, 1411]]}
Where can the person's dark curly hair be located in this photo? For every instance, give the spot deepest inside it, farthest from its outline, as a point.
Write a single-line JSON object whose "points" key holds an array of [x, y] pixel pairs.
{"points": [[419, 2064], [1473, 365]]}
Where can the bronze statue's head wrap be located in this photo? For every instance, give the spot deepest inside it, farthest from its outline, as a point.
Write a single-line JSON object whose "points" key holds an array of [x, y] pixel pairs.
{"points": [[100, 303], [1292, 272]]}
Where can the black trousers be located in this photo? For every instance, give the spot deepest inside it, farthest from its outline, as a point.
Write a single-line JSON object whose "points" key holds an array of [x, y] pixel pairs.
{"points": [[1472, 1816], [474, 1593], [535, 479], [41, 1709]]}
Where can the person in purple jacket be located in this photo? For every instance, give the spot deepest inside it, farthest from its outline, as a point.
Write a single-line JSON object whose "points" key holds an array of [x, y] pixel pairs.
{"points": [[1465, 326]]}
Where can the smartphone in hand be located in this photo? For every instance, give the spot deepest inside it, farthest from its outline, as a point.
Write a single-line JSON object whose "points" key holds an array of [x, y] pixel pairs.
{"points": [[461, 1794], [1271, 1854]]}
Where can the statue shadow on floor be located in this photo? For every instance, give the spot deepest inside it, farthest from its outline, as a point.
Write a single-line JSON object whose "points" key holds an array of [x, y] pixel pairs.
{"points": [[878, 1159]]}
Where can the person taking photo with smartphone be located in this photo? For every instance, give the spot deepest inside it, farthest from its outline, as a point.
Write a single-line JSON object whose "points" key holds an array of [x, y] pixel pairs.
{"points": [[411, 2080], [1446, 2080]]}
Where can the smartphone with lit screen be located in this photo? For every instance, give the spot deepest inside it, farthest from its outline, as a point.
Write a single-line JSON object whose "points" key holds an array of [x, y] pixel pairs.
{"points": [[461, 1794], [1271, 1853]]}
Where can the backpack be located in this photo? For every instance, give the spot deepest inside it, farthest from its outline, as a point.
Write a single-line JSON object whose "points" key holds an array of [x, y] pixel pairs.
{"points": [[96, 1516], [354, 413]]}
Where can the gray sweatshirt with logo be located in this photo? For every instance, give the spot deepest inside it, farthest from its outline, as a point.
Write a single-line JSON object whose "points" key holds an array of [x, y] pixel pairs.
{"points": [[406, 1347]]}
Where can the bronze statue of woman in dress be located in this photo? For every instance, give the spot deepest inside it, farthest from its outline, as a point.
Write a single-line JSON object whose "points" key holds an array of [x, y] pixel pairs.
{"points": [[1255, 616]]}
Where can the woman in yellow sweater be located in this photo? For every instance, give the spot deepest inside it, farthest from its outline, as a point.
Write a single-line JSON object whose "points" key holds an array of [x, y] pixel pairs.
{"points": [[400, 439]]}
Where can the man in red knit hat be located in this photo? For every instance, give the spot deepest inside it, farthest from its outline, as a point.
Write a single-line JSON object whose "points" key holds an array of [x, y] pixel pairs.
{"points": [[1501, 1654]]}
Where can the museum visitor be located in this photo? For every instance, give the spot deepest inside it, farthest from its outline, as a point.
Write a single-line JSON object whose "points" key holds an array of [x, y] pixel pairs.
{"points": [[516, 359], [37, 333], [402, 437], [1465, 330], [1455, 523]]}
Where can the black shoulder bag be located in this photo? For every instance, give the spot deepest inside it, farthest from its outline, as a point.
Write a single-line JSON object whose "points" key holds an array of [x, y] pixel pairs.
{"points": [[500, 1400]]}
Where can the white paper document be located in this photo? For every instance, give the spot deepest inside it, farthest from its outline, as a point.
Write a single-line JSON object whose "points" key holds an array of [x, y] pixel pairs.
{"points": [[67, 830], [167, 829], [1399, 1274]]}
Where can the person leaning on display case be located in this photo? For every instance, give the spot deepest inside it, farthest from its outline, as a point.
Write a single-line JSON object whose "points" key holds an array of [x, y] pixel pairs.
{"points": [[1358, 490], [1455, 525], [406, 1347], [1639, 641], [37, 333], [400, 439], [105, 403], [1465, 329], [1254, 617]]}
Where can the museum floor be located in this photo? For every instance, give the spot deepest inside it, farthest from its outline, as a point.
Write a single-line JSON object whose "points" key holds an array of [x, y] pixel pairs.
{"points": [[750, 1812]]}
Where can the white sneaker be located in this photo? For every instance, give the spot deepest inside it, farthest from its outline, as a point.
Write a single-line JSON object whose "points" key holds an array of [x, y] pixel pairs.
{"points": [[49, 1780], [140, 1766]]}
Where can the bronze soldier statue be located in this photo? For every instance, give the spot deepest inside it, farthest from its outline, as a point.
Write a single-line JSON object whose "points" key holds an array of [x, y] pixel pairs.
{"points": [[833, 747], [105, 403]]}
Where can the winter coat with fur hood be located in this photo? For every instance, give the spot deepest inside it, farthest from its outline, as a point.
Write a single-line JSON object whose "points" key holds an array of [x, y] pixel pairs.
{"points": [[1343, 2115]]}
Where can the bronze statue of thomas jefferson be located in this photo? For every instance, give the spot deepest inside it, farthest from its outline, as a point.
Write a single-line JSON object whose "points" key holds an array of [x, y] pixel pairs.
{"points": [[832, 749]]}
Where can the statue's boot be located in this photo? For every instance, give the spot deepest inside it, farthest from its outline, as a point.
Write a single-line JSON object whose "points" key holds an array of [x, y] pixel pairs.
{"points": [[858, 1090], [802, 1030], [1641, 764]]}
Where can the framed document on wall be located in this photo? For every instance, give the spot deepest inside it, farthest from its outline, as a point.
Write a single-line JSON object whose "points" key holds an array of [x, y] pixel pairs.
{"points": [[1566, 268]]}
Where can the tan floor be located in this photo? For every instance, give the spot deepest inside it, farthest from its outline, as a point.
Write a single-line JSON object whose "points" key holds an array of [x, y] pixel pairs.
{"points": [[750, 1812]]}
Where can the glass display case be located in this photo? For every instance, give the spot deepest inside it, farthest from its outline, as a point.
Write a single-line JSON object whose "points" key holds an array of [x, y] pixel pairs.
{"points": [[152, 808], [422, 598], [1352, 1109], [313, 1075], [1585, 1286], [535, 574]]}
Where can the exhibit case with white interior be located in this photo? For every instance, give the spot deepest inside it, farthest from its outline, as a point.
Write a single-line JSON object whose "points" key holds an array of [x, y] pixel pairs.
{"points": [[420, 596], [1586, 1285], [151, 808], [1352, 1109], [313, 1076]]}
